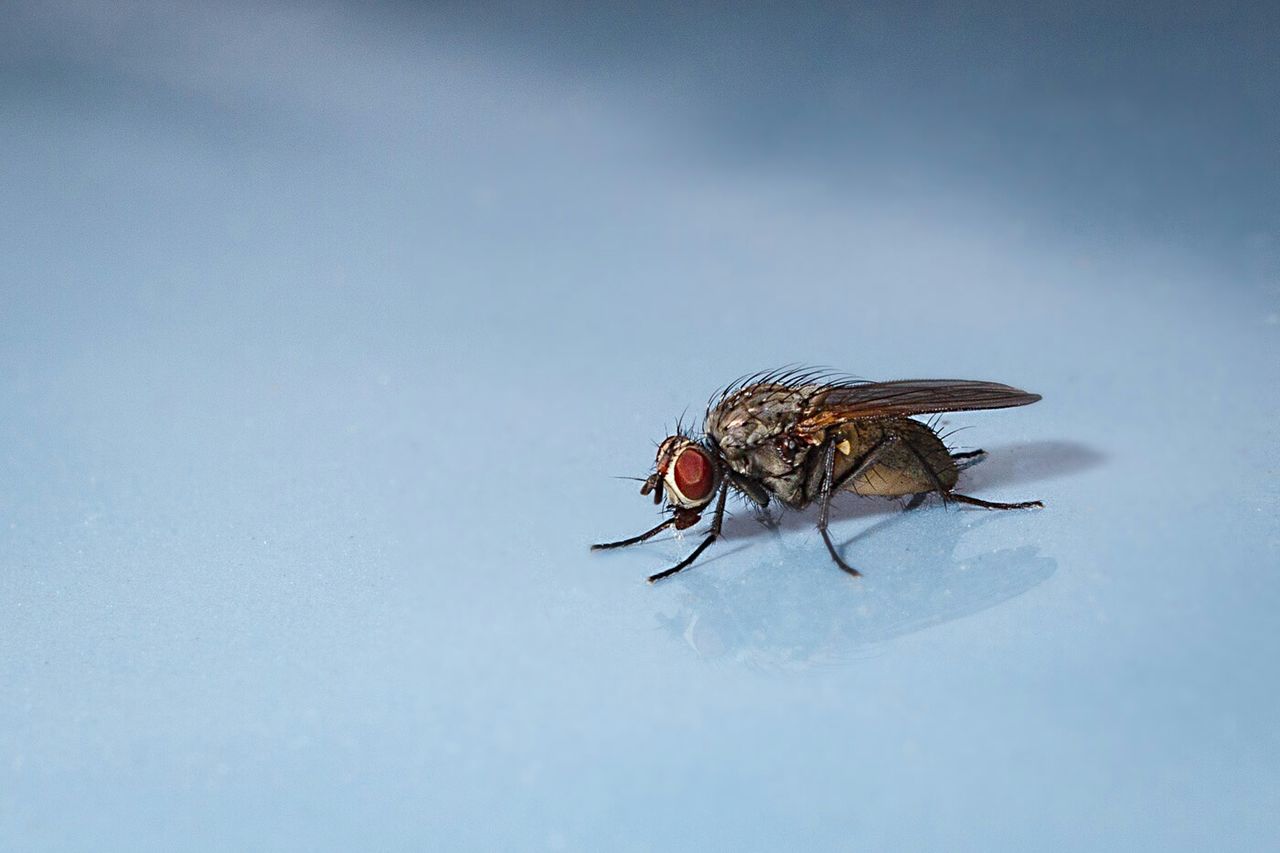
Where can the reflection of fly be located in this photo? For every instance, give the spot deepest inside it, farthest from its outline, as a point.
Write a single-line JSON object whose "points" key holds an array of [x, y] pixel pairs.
{"points": [[801, 436]]}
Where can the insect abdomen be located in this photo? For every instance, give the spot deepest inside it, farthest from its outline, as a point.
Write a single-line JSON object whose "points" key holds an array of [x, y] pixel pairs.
{"points": [[901, 469]]}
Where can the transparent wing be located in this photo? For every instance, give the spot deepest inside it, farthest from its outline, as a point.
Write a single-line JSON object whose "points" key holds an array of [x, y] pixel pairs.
{"points": [[842, 403]]}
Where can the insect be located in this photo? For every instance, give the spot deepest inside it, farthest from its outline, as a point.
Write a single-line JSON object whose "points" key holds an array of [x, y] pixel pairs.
{"points": [[800, 436]]}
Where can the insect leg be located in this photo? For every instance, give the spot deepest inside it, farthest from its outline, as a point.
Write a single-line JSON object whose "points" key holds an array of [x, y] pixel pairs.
{"points": [[928, 469], [828, 487], [711, 537], [965, 499], [622, 543], [968, 459]]}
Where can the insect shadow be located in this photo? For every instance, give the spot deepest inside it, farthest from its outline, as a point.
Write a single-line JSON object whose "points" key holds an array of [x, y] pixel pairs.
{"points": [[788, 610]]}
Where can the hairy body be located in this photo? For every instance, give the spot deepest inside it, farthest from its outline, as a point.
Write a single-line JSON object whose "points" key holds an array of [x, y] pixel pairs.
{"points": [[799, 436]]}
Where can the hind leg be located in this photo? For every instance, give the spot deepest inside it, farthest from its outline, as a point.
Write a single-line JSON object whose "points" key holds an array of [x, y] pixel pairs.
{"points": [[968, 459], [948, 495], [965, 499], [964, 460]]}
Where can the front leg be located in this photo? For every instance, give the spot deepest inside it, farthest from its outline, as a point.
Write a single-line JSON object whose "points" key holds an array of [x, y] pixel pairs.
{"points": [[622, 543], [716, 523], [681, 517]]}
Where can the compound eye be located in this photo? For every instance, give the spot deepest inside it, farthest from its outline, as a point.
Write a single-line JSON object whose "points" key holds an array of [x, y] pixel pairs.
{"points": [[694, 476]]}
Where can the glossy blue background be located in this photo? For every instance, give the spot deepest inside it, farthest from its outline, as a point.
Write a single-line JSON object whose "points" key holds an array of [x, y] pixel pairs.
{"points": [[324, 328]]}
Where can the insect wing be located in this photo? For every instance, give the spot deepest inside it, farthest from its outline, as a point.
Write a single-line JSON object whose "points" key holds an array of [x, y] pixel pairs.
{"points": [[907, 397]]}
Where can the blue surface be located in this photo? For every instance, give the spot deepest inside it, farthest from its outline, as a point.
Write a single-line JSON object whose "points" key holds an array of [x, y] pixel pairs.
{"points": [[324, 332]]}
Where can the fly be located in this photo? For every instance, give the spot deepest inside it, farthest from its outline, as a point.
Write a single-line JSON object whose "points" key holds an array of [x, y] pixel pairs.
{"points": [[800, 436]]}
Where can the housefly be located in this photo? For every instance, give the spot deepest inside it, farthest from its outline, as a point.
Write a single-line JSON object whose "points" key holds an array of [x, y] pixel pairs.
{"points": [[800, 436]]}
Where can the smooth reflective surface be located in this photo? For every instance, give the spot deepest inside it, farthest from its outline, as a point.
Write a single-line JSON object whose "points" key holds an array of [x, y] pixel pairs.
{"points": [[813, 622], [324, 331]]}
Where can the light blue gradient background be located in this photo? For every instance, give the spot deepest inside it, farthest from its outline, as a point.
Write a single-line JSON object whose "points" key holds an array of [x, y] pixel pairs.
{"points": [[323, 329]]}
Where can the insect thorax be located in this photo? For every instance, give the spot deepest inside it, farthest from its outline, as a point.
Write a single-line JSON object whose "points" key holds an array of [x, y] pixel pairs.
{"points": [[752, 428]]}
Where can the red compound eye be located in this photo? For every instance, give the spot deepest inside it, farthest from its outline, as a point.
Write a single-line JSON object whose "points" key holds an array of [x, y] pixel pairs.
{"points": [[693, 474]]}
